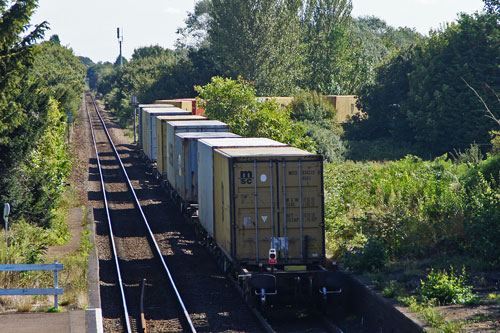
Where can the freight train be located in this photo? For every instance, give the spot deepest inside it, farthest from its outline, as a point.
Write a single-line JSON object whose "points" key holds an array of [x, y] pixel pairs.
{"points": [[256, 203]]}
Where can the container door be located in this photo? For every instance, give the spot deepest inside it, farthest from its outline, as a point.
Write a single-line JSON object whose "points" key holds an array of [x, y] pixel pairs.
{"points": [[300, 237], [255, 209]]}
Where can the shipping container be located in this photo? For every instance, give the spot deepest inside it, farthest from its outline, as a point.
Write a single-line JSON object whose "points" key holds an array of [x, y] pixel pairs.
{"points": [[149, 127], [174, 127], [345, 105], [161, 138], [282, 101], [206, 171], [185, 104], [269, 198], [186, 168], [194, 105], [139, 123]]}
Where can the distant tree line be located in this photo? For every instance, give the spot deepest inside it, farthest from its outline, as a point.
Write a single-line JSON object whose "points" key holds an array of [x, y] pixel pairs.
{"points": [[411, 87], [280, 47]]}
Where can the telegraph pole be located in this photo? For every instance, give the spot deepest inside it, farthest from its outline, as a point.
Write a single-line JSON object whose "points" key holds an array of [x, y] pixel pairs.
{"points": [[120, 41]]}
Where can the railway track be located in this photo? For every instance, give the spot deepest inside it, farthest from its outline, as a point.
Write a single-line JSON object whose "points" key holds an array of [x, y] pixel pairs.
{"points": [[138, 257]]}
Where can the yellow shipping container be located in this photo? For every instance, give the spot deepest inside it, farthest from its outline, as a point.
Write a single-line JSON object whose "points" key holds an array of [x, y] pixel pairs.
{"points": [[345, 106], [182, 104], [269, 198]]}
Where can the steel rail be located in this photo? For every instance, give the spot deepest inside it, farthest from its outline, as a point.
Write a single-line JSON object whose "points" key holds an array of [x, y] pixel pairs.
{"points": [[108, 217], [172, 282]]}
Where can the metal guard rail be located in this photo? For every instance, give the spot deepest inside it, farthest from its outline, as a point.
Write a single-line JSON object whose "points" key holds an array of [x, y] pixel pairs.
{"points": [[34, 291]]}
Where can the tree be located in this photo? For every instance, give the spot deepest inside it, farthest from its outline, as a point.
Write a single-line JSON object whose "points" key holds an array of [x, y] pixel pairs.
{"points": [[46, 170], [150, 51], [22, 107], [325, 33], [444, 113], [194, 34], [38, 85], [259, 40], [318, 116], [86, 61], [234, 102], [197, 67], [492, 6], [379, 40], [382, 100], [62, 72], [420, 97]]}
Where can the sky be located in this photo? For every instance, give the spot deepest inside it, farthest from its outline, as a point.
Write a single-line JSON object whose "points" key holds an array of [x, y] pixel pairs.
{"points": [[89, 27]]}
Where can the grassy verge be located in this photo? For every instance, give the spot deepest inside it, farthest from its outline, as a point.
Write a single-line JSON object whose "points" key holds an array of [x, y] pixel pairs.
{"points": [[74, 278], [28, 244], [433, 318]]}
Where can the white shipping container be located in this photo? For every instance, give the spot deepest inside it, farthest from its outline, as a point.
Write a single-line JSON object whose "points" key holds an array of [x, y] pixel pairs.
{"points": [[150, 114], [206, 172], [161, 138], [174, 127], [186, 155], [140, 122]]}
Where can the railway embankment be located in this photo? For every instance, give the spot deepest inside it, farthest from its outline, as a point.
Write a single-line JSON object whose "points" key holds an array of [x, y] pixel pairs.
{"points": [[374, 312]]}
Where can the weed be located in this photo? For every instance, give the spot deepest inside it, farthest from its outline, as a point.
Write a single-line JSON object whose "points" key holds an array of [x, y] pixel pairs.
{"points": [[393, 289], [448, 288], [52, 309], [74, 275], [494, 297], [426, 308]]}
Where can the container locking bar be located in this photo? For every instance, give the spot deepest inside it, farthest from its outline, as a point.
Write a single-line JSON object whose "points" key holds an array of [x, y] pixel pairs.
{"points": [[284, 208], [256, 212], [272, 197], [301, 222]]}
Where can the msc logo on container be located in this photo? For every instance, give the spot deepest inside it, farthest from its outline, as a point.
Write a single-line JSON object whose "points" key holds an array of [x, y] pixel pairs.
{"points": [[246, 177]]}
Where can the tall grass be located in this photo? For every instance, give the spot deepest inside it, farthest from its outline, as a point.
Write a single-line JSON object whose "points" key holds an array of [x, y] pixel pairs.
{"points": [[27, 244], [413, 207]]}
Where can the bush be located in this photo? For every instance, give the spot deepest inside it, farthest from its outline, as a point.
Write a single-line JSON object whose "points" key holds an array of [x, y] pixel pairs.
{"points": [[414, 207], [311, 106], [328, 142], [448, 288], [372, 257], [234, 102], [482, 218], [318, 116]]}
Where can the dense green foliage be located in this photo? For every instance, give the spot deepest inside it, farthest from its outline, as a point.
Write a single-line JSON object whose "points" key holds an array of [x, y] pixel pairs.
{"points": [[493, 6], [282, 47], [379, 40], [447, 288], [235, 103], [39, 84], [318, 116], [420, 96], [19, 94], [406, 204], [412, 209], [62, 73]]}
